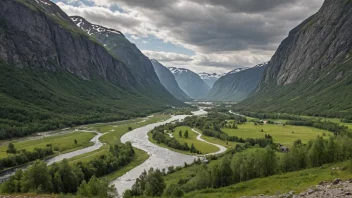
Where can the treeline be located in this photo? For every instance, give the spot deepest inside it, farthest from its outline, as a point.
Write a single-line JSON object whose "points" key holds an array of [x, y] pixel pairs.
{"points": [[158, 134], [262, 142], [64, 178], [243, 165], [282, 116], [23, 156], [325, 125]]}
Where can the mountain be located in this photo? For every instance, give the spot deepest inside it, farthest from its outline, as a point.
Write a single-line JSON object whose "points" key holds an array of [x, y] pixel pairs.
{"points": [[54, 75], [168, 80], [117, 44], [209, 79], [190, 82], [237, 84], [311, 71]]}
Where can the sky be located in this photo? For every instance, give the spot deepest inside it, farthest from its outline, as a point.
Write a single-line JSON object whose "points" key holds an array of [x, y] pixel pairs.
{"points": [[214, 36]]}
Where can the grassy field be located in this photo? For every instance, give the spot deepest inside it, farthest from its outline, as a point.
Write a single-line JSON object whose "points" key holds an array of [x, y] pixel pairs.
{"points": [[282, 183], [219, 142], [65, 143], [285, 135], [203, 147], [338, 121]]}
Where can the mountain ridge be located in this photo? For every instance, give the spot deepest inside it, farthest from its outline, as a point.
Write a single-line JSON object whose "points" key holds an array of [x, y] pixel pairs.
{"points": [[190, 82], [310, 73], [168, 80], [237, 85], [55, 75]]}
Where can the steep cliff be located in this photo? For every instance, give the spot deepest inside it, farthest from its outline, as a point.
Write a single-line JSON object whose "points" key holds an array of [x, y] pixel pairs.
{"points": [[168, 80], [54, 75], [140, 65], [311, 71], [237, 84], [190, 82]]}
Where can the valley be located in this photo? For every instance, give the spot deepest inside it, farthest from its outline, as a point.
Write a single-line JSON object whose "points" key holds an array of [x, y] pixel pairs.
{"points": [[129, 99]]}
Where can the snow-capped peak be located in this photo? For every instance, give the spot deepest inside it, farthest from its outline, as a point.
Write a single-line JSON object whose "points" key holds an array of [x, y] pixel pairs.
{"points": [[204, 75], [237, 70], [175, 70]]}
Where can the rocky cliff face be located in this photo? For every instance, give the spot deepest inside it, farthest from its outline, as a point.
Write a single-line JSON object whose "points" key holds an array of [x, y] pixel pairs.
{"points": [[237, 84], [38, 35], [319, 42], [168, 80], [140, 65], [53, 74], [190, 82], [311, 70]]}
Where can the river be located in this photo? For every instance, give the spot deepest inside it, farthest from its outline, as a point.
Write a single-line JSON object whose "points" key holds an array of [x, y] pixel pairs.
{"points": [[159, 157]]}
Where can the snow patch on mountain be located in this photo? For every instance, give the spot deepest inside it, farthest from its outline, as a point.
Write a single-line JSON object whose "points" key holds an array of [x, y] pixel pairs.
{"points": [[92, 28], [176, 70], [204, 75]]}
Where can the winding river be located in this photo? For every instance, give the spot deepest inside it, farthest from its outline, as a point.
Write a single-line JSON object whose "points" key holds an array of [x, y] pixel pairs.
{"points": [[4, 175], [159, 157]]}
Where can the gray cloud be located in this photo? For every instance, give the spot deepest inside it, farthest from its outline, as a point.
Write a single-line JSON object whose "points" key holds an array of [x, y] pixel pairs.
{"points": [[246, 31]]}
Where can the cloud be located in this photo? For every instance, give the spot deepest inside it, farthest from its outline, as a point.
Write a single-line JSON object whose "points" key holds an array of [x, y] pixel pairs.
{"points": [[223, 33], [167, 56]]}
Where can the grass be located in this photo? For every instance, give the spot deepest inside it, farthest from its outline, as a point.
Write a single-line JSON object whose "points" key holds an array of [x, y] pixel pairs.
{"points": [[285, 135], [65, 143], [281, 183], [203, 147], [219, 142]]}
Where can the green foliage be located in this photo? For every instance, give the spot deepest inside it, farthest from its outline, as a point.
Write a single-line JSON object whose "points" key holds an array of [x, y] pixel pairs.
{"points": [[23, 156], [97, 188], [186, 134], [149, 184], [64, 178], [11, 148]]}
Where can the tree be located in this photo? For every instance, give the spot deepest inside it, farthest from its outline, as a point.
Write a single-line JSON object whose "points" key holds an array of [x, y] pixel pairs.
{"points": [[186, 134], [75, 141], [36, 178], [11, 148], [97, 188], [173, 190], [180, 133], [130, 128]]}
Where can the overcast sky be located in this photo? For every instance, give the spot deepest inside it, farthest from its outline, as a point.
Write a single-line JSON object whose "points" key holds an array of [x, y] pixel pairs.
{"points": [[201, 35]]}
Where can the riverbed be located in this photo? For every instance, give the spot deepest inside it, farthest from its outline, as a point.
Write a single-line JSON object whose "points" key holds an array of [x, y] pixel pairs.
{"points": [[159, 157]]}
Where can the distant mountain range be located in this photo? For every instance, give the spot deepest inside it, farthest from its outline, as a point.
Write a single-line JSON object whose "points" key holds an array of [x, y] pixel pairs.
{"points": [[311, 71], [168, 80], [190, 82], [237, 84], [210, 79]]}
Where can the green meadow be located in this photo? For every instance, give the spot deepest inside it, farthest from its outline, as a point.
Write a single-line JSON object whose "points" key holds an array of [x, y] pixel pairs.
{"points": [[285, 135]]}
